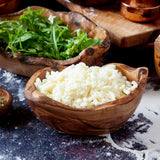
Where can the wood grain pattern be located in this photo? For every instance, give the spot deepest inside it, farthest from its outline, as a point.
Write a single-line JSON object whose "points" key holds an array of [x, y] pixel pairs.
{"points": [[26, 65], [101, 119], [157, 55], [124, 33], [8, 101]]}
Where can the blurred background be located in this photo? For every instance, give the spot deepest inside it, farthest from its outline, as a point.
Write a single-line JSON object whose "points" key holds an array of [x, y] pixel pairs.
{"points": [[47, 3]]}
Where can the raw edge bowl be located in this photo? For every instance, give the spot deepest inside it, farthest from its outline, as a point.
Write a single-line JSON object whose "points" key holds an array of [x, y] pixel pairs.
{"points": [[101, 119], [8, 101], [26, 65]]}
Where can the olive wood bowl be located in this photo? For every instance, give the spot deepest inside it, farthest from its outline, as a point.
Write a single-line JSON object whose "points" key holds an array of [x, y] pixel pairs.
{"points": [[140, 10], [26, 65], [7, 101], [101, 119], [157, 55]]}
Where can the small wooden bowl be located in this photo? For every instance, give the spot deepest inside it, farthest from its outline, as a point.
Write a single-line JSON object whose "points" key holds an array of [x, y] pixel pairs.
{"points": [[157, 55], [26, 65], [101, 119], [7, 101], [140, 11], [8, 6]]}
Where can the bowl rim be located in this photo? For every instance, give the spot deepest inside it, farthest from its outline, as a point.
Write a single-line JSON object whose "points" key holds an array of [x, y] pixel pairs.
{"points": [[142, 79]]}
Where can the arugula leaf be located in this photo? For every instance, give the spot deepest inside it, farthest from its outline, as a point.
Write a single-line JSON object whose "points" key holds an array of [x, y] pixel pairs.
{"points": [[36, 35]]}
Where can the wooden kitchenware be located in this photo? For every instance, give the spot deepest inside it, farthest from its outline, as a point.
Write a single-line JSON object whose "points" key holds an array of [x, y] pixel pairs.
{"points": [[140, 10], [5, 101], [26, 65], [101, 119]]}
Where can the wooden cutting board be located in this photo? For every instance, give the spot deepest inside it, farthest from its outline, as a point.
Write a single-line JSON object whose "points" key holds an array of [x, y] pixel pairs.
{"points": [[123, 32]]}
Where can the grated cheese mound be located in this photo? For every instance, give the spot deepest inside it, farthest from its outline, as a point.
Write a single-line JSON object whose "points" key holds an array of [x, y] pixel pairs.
{"points": [[80, 86]]}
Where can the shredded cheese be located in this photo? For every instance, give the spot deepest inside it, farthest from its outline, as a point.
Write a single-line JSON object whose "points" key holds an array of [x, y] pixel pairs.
{"points": [[80, 86]]}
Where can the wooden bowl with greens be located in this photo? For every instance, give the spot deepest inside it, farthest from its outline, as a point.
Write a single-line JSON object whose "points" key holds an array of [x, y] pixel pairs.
{"points": [[37, 37]]}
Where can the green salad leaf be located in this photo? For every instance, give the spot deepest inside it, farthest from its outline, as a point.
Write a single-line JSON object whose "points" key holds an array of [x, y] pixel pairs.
{"points": [[35, 35]]}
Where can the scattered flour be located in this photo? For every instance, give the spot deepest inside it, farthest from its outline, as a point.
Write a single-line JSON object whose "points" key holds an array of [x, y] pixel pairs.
{"points": [[139, 154], [21, 94], [150, 107], [5, 157], [12, 82], [8, 76]]}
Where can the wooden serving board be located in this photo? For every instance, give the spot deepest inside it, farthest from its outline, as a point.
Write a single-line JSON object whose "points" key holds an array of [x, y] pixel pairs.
{"points": [[123, 33]]}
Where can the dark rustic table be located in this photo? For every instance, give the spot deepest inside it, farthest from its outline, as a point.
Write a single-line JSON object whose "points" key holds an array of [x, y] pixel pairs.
{"points": [[24, 137]]}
